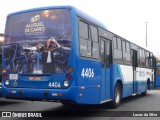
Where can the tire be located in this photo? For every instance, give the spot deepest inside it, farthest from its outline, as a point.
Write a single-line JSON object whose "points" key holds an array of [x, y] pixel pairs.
{"points": [[117, 96], [145, 93]]}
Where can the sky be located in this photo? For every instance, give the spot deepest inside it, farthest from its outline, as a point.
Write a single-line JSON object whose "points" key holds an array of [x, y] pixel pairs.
{"points": [[124, 17]]}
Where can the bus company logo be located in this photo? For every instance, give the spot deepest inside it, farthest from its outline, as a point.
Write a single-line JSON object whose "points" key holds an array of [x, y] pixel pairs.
{"points": [[35, 26], [35, 18], [6, 114], [141, 73]]}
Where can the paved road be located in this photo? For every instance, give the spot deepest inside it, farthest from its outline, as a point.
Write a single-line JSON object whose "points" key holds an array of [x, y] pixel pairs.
{"points": [[151, 102]]}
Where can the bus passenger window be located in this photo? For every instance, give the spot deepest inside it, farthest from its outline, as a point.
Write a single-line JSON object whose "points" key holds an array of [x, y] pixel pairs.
{"points": [[127, 47], [83, 30], [94, 37], [117, 50], [147, 59], [94, 34], [95, 50], [102, 52], [128, 55], [143, 63], [83, 47], [119, 43], [115, 42], [151, 59], [108, 58], [85, 44], [124, 45], [89, 48]]}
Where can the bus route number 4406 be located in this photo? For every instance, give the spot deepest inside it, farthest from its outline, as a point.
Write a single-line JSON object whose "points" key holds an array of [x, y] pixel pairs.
{"points": [[87, 72], [54, 84]]}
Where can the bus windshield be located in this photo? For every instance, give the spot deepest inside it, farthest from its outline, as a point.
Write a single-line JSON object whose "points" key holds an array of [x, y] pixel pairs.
{"points": [[38, 42]]}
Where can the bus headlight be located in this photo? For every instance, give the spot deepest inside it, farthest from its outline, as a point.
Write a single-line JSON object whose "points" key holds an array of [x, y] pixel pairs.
{"points": [[66, 83], [7, 82]]}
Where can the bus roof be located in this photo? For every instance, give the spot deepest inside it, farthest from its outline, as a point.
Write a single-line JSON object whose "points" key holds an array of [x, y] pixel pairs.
{"points": [[77, 12], [90, 18]]}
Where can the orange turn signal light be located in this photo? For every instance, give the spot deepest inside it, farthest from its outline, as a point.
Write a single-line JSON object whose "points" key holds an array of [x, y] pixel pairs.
{"points": [[4, 70], [70, 69]]}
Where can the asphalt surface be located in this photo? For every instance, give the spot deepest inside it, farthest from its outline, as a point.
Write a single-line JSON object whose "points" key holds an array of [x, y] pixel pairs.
{"points": [[151, 102]]}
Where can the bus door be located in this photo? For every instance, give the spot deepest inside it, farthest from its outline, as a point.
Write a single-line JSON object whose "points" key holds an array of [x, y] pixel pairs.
{"points": [[134, 65], [105, 64]]}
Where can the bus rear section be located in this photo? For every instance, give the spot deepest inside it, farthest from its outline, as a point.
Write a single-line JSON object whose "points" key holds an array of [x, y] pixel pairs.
{"points": [[37, 56]]}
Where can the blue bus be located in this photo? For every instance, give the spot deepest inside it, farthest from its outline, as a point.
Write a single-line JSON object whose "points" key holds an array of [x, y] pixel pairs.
{"points": [[61, 54], [158, 75]]}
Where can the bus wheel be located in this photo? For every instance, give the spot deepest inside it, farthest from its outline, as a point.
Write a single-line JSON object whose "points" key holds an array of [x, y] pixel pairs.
{"points": [[145, 93], [117, 96]]}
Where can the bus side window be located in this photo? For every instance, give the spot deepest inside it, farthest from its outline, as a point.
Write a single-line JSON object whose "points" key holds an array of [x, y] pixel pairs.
{"points": [[83, 30], [108, 52], [143, 60], [115, 42], [147, 59], [95, 44], [151, 60], [119, 41], [117, 50], [88, 37], [85, 44], [102, 53]]}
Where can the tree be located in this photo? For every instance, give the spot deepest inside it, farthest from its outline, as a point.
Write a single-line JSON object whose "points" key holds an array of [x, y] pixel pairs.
{"points": [[158, 59]]}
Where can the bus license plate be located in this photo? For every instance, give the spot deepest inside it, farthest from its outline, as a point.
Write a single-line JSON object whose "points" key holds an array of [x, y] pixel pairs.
{"points": [[13, 76], [34, 78]]}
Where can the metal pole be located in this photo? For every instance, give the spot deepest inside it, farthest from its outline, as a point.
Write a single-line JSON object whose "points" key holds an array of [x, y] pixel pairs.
{"points": [[146, 33]]}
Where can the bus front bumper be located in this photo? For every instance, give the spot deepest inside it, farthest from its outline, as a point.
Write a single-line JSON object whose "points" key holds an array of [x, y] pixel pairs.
{"points": [[40, 94]]}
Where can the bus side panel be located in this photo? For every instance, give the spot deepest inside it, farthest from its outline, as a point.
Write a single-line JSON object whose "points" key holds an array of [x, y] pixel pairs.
{"points": [[125, 75], [143, 74], [89, 81], [158, 81], [141, 86], [127, 72]]}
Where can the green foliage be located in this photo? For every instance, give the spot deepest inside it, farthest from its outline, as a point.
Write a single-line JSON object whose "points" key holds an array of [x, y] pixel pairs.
{"points": [[158, 59]]}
